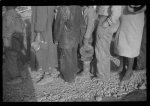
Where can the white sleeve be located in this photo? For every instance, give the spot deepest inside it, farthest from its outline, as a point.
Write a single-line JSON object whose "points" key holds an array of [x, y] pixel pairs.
{"points": [[116, 13]]}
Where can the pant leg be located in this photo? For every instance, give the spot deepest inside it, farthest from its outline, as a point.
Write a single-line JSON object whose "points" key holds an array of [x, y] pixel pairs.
{"points": [[47, 57], [102, 51], [104, 37], [52, 56], [33, 60], [41, 58], [103, 61], [12, 63], [141, 59], [14, 58], [68, 63], [28, 46]]}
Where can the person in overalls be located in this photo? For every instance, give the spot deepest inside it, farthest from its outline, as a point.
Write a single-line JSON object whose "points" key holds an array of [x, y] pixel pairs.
{"points": [[108, 25]]}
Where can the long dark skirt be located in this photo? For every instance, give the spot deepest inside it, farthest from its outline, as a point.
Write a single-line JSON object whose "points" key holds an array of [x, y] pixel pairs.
{"points": [[69, 63]]}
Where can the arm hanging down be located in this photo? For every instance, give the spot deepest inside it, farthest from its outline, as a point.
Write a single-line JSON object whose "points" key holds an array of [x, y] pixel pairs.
{"points": [[91, 17], [58, 25]]}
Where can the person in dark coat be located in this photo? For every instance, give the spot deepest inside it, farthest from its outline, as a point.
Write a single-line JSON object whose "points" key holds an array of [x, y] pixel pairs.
{"points": [[68, 35]]}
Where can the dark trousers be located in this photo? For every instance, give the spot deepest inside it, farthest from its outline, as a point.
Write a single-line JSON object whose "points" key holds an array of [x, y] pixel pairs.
{"points": [[14, 59], [68, 63]]}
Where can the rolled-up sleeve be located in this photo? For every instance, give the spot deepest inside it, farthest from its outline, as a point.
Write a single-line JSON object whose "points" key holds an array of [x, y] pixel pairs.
{"points": [[116, 13], [40, 18]]}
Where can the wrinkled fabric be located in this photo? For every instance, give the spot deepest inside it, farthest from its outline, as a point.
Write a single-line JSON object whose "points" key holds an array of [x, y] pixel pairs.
{"points": [[68, 34], [91, 16], [71, 34], [129, 40], [113, 12], [102, 47], [43, 19]]}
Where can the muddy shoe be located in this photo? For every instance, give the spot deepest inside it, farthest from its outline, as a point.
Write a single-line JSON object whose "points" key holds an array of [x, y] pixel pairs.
{"points": [[47, 79], [14, 81]]}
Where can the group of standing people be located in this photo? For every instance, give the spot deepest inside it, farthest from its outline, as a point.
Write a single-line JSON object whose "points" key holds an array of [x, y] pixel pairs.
{"points": [[59, 33]]}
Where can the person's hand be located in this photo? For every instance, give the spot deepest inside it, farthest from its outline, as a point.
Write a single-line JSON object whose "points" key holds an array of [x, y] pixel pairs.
{"points": [[35, 45]]}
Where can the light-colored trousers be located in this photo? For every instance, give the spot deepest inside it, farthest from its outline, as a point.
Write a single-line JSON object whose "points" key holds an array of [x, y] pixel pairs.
{"points": [[102, 48]]}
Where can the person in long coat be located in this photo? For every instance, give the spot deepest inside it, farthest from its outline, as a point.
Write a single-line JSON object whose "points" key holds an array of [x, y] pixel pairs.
{"points": [[46, 54], [67, 32]]}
